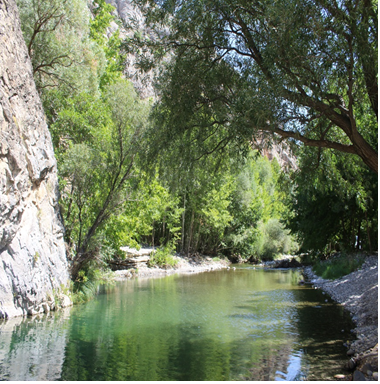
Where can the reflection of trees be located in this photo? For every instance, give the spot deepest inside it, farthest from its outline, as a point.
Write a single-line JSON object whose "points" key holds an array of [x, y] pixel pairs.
{"points": [[258, 326], [133, 340], [33, 349]]}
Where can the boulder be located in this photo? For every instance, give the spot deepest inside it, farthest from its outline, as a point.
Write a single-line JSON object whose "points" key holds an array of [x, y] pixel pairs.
{"points": [[286, 263]]}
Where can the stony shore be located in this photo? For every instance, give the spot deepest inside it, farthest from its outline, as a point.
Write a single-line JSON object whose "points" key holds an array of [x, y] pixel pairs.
{"points": [[358, 293], [188, 265]]}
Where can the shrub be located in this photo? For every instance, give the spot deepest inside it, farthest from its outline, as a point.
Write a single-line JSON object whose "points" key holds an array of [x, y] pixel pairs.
{"points": [[272, 239], [87, 284], [338, 266], [163, 257]]}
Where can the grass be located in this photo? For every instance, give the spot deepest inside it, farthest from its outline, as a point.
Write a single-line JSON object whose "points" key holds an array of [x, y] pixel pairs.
{"points": [[86, 286], [338, 266]]}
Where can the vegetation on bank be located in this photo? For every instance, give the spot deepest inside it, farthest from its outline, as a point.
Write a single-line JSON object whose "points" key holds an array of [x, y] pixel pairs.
{"points": [[185, 172], [338, 266]]}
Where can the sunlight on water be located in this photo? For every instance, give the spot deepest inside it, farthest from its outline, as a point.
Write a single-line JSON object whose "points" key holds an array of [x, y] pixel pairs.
{"points": [[225, 325]]}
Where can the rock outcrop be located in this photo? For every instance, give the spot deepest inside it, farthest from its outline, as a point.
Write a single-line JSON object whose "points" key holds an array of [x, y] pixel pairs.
{"points": [[33, 264], [133, 21]]}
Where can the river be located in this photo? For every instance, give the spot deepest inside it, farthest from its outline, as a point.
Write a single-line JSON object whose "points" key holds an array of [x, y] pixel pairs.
{"points": [[247, 324]]}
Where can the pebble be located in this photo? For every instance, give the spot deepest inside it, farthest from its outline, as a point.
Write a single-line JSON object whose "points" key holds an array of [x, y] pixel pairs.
{"points": [[375, 375]]}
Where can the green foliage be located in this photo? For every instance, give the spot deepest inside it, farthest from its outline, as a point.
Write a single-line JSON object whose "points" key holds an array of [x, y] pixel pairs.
{"points": [[163, 257], [87, 284], [110, 45], [272, 240], [102, 19], [150, 215], [187, 180], [232, 74], [57, 37], [338, 266], [257, 207], [97, 162], [334, 203]]}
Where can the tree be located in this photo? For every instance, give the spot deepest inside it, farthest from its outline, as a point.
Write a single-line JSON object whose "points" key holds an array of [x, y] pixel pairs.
{"points": [[56, 34], [98, 164], [293, 70], [333, 205], [111, 45]]}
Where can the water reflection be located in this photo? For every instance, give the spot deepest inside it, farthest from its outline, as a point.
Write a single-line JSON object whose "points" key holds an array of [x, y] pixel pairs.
{"points": [[33, 349], [242, 325]]}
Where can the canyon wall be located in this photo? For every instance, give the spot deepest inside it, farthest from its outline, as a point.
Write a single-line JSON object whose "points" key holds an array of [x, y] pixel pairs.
{"points": [[33, 264]]}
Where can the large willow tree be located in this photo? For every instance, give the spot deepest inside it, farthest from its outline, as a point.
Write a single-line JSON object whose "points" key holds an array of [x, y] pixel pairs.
{"points": [[300, 70]]}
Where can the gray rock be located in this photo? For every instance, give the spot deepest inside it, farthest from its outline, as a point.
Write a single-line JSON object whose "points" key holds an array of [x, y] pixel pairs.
{"points": [[367, 367], [351, 364], [375, 375], [65, 301], [358, 376], [32, 252]]}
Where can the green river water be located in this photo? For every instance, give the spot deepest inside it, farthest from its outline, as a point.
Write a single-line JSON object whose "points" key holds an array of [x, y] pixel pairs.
{"points": [[223, 325]]}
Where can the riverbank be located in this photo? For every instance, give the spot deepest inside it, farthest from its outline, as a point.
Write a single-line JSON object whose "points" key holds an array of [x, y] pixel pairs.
{"points": [[358, 293], [185, 265]]}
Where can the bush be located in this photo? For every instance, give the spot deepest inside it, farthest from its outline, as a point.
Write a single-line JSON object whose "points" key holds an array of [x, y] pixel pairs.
{"points": [[163, 257], [338, 266], [273, 239]]}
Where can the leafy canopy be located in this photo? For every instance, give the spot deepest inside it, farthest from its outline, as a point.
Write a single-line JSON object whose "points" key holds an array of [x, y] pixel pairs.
{"points": [[238, 69]]}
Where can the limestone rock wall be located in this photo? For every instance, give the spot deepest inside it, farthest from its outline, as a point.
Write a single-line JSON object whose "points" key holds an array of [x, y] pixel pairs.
{"points": [[33, 262], [133, 19]]}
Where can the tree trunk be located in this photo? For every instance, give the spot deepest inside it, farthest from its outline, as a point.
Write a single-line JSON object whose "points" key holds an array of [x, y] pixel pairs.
{"points": [[183, 224], [190, 233], [368, 235], [365, 151], [153, 234]]}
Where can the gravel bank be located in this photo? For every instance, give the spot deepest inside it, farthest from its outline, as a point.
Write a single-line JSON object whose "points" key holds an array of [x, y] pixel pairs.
{"points": [[194, 264], [358, 293]]}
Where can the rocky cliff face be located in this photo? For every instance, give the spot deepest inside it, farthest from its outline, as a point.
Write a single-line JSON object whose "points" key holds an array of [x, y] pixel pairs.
{"points": [[134, 20], [33, 265]]}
